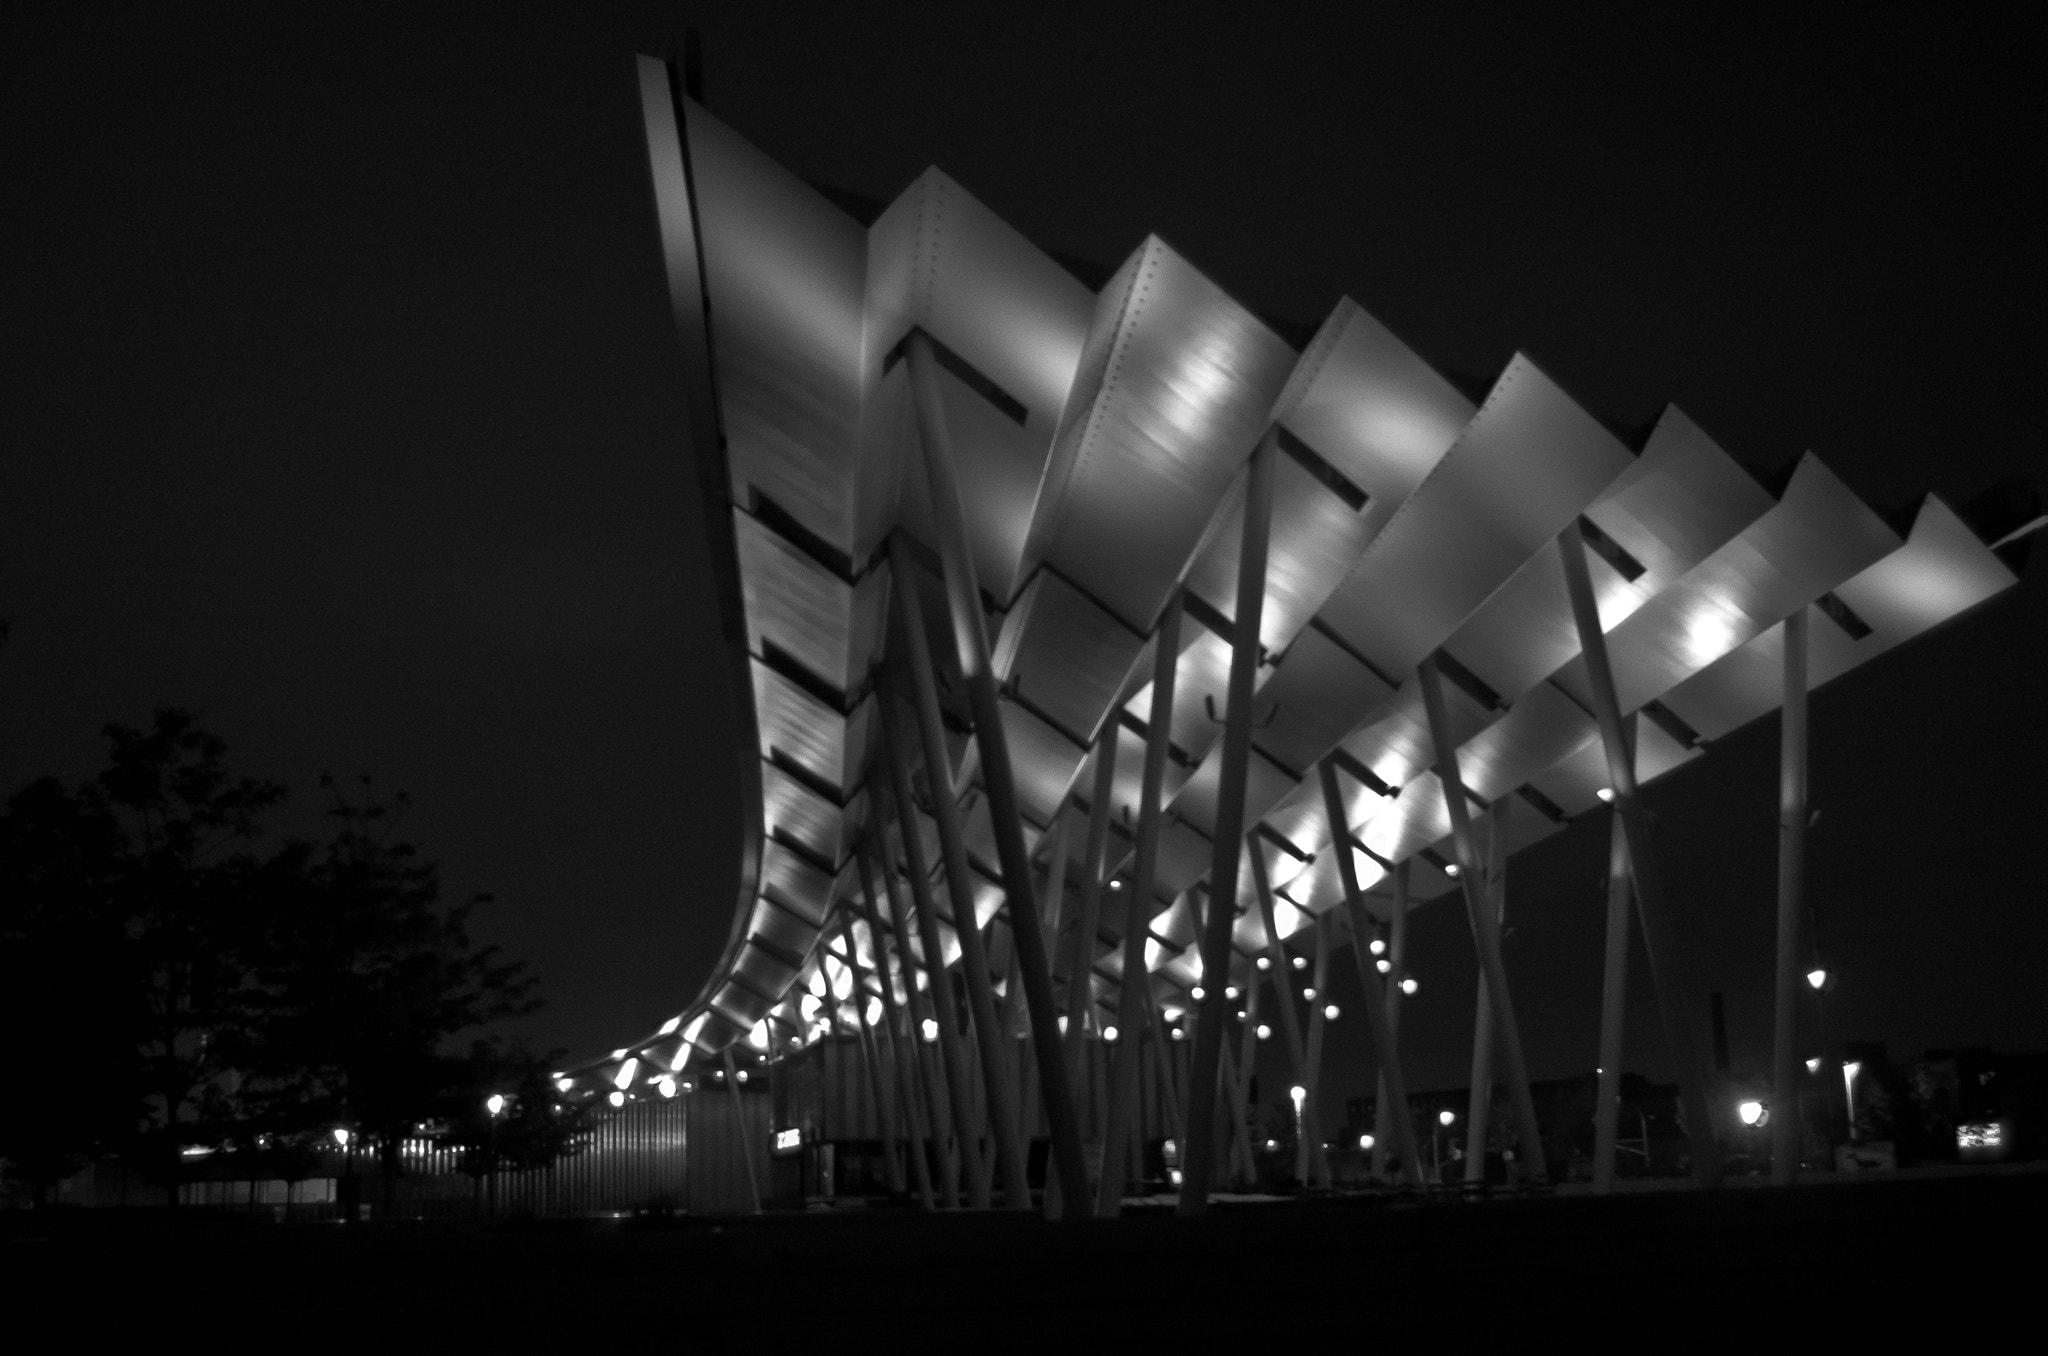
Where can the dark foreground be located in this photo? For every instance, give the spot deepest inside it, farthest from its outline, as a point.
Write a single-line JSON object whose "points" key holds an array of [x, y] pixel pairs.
{"points": [[1956, 1257]]}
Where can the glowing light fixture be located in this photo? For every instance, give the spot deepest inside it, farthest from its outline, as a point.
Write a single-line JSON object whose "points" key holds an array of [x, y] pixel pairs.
{"points": [[1299, 1096], [1818, 979], [617, 1099], [1384, 966], [1265, 963], [1309, 994], [758, 1037], [1230, 992], [1378, 947], [1606, 794], [1365, 1141], [495, 1104], [564, 1084], [930, 1029], [1330, 1012], [1410, 985], [1446, 1117], [1109, 1035], [1198, 993], [1177, 1034], [666, 1085], [1813, 1065], [1754, 1114], [1301, 962], [341, 1135], [1265, 1033], [624, 1078]]}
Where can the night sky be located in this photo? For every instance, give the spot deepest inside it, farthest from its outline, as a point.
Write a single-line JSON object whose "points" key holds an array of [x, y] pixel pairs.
{"points": [[338, 402]]}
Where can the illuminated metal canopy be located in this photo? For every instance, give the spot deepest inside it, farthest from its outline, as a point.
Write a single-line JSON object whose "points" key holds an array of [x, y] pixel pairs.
{"points": [[1101, 439]]}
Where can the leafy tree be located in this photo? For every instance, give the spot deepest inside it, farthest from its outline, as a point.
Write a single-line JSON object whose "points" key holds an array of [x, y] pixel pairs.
{"points": [[68, 991]]}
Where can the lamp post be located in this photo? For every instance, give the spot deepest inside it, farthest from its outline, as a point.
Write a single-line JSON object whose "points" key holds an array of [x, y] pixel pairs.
{"points": [[495, 1104], [1299, 1096], [1445, 1119]]}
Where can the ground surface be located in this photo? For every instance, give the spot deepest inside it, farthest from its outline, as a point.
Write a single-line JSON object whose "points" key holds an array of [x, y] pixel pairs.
{"points": [[1956, 1257]]}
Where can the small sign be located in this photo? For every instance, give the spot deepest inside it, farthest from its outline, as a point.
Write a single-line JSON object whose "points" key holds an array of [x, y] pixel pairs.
{"points": [[785, 1140]]}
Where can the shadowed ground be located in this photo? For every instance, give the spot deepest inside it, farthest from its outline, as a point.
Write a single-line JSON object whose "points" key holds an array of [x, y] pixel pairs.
{"points": [[1955, 1255]]}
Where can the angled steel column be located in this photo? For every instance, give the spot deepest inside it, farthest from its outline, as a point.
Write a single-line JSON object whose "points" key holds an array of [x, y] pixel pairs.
{"points": [[1310, 1133], [739, 1114], [970, 634], [913, 1017], [1485, 927], [1229, 840], [1613, 997], [1660, 937], [1376, 1015], [1247, 1066], [885, 1112], [988, 1038], [947, 1016], [1134, 996], [1319, 1159], [906, 1086], [1081, 947], [1787, 1123], [1397, 956], [1479, 1110]]}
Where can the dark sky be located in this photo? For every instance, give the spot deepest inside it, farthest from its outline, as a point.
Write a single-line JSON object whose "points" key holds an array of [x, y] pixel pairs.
{"points": [[339, 403]]}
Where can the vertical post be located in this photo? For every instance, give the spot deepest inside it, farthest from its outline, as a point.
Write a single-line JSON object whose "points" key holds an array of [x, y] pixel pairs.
{"points": [[1613, 998], [1479, 1111], [1485, 927], [1787, 1122], [885, 1113], [913, 1016], [970, 634], [1229, 841], [1134, 997], [1290, 1026], [1320, 981], [739, 1116], [1081, 949], [1397, 957], [1399, 1121], [1660, 938], [1248, 1064], [988, 1038], [946, 1018]]}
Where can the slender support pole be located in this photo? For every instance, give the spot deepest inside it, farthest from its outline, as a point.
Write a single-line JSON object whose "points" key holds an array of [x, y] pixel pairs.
{"points": [[1660, 937], [1787, 1124], [1400, 1123], [1485, 927], [1397, 956], [914, 1135], [739, 1115], [914, 1015], [1479, 1111], [1134, 995], [1248, 1065], [946, 1018], [1290, 1026], [988, 1036], [1052, 905], [1613, 997], [1319, 1158], [1081, 949], [970, 634], [1229, 840], [1169, 1088], [885, 1111]]}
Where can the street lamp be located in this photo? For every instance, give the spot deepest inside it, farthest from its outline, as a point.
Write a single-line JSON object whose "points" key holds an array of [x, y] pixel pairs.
{"points": [[1445, 1119], [1299, 1096], [1755, 1114], [495, 1104]]}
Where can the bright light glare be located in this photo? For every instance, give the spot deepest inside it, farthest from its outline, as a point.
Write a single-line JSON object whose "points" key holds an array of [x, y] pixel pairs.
{"points": [[743, 1075], [758, 1037], [1265, 963], [495, 1103], [1198, 993], [1265, 1032], [1446, 1117], [930, 1029], [1410, 985], [1451, 870], [1365, 1141], [1109, 1035], [564, 1084], [1606, 793], [666, 1085], [1378, 948], [1178, 1034], [1230, 992], [1813, 1065], [1309, 994], [624, 1078], [1752, 1113], [1298, 1095], [1817, 978], [1384, 966], [617, 1099], [1330, 1012], [1301, 962]]}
